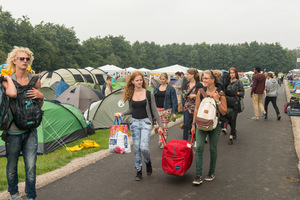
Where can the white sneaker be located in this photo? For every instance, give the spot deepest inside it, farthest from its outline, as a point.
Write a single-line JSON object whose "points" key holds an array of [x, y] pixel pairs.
{"points": [[255, 118], [224, 130]]}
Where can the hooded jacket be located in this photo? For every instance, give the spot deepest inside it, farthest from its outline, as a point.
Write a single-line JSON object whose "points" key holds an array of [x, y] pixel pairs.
{"points": [[272, 87], [258, 86]]}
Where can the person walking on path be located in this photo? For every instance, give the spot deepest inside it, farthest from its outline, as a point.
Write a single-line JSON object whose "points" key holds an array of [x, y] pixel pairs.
{"points": [[141, 121], [277, 78], [271, 94], [178, 90], [210, 78], [257, 91], [190, 93], [234, 92], [166, 103], [18, 140]]}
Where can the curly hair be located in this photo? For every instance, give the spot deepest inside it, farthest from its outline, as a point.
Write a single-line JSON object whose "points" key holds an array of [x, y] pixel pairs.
{"points": [[13, 54], [129, 88]]}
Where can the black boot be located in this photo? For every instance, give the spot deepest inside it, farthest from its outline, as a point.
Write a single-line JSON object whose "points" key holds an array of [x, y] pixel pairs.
{"points": [[138, 175], [149, 168], [278, 116]]}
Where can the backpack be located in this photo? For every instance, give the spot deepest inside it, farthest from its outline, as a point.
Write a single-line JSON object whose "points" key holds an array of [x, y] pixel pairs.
{"points": [[224, 81], [4, 104], [206, 118], [148, 95], [27, 112]]}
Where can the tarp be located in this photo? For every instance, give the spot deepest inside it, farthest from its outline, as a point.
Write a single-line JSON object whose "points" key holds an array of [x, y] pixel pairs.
{"points": [[61, 124], [79, 96]]}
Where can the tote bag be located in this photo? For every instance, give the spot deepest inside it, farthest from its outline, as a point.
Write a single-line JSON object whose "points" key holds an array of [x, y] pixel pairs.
{"points": [[119, 141]]}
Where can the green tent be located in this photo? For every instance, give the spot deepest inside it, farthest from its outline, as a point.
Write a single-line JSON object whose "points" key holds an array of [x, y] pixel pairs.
{"points": [[101, 113], [117, 85], [48, 93], [62, 123]]}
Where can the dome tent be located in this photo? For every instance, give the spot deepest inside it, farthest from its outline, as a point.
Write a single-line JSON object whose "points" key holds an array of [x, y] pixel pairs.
{"points": [[79, 96], [61, 124], [72, 76], [101, 114]]}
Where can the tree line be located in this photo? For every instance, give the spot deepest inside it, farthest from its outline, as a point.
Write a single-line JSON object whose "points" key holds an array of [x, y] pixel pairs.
{"points": [[56, 46]]}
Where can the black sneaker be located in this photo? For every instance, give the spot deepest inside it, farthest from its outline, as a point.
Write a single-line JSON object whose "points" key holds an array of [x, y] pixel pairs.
{"points": [[230, 141], [198, 180], [138, 175], [149, 168], [234, 136], [265, 116], [210, 177], [278, 116]]}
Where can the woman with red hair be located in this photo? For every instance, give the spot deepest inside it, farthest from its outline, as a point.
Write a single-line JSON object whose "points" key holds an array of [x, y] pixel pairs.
{"points": [[141, 121]]}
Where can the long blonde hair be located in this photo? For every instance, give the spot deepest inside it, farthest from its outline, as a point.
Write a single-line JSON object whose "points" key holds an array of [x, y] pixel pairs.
{"points": [[216, 74], [129, 88], [13, 54]]}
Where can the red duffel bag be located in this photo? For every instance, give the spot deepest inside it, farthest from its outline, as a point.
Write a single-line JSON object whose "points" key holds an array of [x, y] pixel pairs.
{"points": [[177, 156]]}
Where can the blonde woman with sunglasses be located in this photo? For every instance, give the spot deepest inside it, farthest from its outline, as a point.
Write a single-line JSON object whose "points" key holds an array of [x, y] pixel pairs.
{"points": [[24, 141]]}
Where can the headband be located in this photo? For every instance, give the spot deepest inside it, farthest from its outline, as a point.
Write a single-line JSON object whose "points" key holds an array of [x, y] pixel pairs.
{"points": [[212, 74]]}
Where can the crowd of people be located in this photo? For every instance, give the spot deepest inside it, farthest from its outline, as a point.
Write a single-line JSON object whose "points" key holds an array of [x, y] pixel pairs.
{"points": [[166, 100], [185, 96]]}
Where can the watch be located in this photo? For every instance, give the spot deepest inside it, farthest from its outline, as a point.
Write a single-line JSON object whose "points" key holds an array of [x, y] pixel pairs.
{"points": [[218, 102]]}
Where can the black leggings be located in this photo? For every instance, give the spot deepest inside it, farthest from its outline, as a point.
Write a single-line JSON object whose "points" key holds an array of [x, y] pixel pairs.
{"points": [[273, 100], [232, 122]]}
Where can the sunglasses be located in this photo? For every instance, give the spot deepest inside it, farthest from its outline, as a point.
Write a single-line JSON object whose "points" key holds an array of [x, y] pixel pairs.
{"points": [[23, 58]]}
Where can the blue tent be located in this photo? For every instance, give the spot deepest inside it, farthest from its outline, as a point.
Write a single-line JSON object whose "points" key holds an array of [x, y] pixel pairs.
{"points": [[297, 84], [62, 86]]}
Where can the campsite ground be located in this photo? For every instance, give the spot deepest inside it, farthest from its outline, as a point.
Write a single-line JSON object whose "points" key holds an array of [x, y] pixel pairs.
{"points": [[262, 164]]}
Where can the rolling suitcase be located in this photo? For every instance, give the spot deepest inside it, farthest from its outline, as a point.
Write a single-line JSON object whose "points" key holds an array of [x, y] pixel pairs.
{"points": [[177, 156]]}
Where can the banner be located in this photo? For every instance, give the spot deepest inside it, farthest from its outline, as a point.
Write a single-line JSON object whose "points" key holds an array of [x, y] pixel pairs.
{"points": [[298, 59]]}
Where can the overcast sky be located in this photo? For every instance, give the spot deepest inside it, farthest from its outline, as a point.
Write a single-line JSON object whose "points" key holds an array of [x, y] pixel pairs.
{"points": [[170, 21]]}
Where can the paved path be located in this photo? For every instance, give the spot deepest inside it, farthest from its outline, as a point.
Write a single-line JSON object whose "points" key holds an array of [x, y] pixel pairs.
{"points": [[261, 165]]}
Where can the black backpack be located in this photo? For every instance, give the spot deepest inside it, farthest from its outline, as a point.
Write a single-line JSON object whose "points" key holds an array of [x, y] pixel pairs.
{"points": [[27, 112], [224, 81], [4, 104]]}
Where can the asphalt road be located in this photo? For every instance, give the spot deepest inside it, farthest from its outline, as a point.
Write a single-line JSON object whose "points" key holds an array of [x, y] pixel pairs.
{"points": [[261, 165]]}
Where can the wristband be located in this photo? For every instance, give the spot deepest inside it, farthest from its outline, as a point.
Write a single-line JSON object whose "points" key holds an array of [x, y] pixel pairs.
{"points": [[218, 102]]}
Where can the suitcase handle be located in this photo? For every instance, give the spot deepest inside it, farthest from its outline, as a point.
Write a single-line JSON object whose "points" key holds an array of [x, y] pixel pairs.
{"points": [[164, 141]]}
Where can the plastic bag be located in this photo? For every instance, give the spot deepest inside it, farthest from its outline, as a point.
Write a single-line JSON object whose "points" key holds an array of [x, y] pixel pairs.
{"points": [[119, 141]]}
